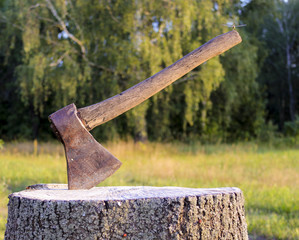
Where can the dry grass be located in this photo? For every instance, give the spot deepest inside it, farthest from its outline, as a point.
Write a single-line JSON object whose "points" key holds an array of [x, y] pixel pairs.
{"points": [[268, 177]]}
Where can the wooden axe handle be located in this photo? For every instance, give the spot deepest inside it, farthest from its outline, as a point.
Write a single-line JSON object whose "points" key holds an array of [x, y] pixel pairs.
{"points": [[102, 112]]}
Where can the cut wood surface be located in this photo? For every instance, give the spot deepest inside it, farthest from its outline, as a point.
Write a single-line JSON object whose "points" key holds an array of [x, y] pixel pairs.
{"points": [[53, 212], [106, 110]]}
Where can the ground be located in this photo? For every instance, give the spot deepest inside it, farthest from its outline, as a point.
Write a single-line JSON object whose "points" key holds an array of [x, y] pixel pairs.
{"points": [[267, 175]]}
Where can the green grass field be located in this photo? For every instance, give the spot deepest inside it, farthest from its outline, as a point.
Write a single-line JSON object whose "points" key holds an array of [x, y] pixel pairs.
{"points": [[268, 177]]}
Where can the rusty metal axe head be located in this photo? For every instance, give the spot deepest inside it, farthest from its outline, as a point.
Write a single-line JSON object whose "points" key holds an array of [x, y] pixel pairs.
{"points": [[88, 162]]}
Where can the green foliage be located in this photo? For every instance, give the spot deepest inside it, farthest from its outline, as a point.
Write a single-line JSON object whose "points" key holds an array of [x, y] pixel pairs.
{"points": [[276, 31], [238, 106], [267, 133], [291, 130], [57, 52], [68, 53]]}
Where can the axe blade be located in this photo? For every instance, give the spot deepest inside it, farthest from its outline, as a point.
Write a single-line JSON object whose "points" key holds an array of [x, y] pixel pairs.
{"points": [[88, 162]]}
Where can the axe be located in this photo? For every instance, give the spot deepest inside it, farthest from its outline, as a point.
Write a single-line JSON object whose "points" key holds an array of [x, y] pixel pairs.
{"points": [[88, 162]]}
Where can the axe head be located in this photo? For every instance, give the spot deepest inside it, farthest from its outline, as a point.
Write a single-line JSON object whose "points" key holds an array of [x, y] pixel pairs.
{"points": [[88, 162]]}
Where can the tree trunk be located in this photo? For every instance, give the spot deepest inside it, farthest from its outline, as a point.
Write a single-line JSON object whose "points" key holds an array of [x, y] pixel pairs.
{"points": [[35, 122], [53, 212], [283, 28], [290, 85]]}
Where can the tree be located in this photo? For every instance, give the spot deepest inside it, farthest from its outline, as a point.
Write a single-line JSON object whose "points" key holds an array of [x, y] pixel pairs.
{"points": [[180, 111], [81, 51], [277, 29], [11, 106], [49, 52]]}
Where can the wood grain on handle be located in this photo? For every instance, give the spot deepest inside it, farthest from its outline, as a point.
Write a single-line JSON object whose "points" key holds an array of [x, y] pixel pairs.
{"points": [[110, 108]]}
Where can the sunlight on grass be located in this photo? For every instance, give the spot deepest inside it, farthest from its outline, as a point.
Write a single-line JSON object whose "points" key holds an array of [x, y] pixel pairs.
{"points": [[268, 178], [3, 209]]}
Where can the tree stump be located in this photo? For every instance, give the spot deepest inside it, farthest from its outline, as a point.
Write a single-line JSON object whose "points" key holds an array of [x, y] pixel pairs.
{"points": [[49, 211]]}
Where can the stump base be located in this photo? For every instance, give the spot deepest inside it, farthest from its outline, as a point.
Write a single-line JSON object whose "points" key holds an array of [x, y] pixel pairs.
{"points": [[50, 211]]}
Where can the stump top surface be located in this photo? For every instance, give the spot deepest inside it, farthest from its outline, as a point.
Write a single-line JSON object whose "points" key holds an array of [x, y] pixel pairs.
{"points": [[60, 192]]}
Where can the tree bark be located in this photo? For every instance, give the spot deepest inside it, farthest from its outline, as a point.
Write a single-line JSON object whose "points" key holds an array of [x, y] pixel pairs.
{"points": [[53, 212]]}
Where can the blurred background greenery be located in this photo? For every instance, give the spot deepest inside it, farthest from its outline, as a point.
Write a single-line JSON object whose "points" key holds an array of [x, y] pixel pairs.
{"points": [[55, 52], [233, 121]]}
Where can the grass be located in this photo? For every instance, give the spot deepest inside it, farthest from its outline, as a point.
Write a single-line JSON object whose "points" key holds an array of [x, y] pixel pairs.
{"points": [[268, 177]]}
